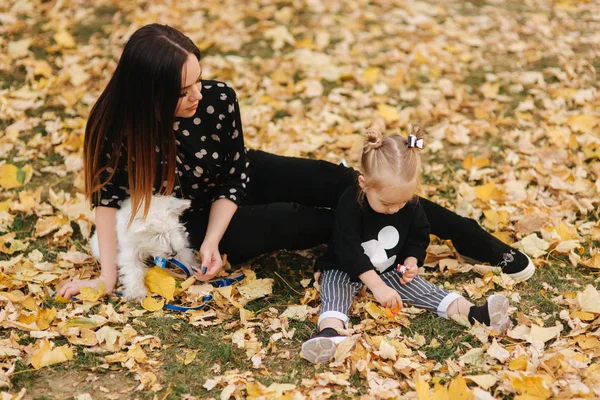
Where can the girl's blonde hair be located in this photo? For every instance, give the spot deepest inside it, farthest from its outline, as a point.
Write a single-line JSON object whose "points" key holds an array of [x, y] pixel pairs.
{"points": [[393, 154]]}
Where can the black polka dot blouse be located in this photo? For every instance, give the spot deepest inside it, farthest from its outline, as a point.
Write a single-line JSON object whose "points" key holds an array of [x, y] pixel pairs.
{"points": [[211, 157]]}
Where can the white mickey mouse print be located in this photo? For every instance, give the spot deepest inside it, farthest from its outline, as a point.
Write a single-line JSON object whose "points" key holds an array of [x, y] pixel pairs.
{"points": [[387, 239]]}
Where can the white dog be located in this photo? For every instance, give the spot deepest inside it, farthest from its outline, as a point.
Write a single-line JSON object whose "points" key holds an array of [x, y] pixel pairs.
{"points": [[160, 234]]}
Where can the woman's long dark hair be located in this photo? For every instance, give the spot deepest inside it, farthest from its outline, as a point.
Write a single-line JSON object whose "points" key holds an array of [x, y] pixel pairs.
{"points": [[137, 110]]}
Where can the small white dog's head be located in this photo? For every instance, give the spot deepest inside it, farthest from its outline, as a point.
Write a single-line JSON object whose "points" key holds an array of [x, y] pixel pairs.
{"points": [[161, 234]]}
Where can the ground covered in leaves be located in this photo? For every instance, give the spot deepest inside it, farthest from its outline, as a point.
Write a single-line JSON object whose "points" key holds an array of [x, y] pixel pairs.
{"points": [[508, 92]]}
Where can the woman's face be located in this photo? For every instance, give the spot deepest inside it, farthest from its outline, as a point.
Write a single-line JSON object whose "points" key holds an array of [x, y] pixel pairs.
{"points": [[190, 88]]}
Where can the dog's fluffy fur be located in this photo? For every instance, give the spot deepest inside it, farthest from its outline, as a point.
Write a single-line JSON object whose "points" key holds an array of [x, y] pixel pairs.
{"points": [[160, 234]]}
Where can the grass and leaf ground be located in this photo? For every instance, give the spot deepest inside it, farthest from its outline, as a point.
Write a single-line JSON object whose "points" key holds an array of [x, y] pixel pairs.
{"points": [[508, 93]]}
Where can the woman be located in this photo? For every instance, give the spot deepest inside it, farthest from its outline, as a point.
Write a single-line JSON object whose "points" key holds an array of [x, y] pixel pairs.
{"points": [[158, 128]]}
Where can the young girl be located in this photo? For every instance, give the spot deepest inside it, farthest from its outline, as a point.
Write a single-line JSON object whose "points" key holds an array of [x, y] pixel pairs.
{"points": [[159, 128], [380, 236]]}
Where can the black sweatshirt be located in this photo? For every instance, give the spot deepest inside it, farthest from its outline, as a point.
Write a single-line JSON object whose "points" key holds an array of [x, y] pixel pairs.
{"points": [[364, 239], [211, 156]]}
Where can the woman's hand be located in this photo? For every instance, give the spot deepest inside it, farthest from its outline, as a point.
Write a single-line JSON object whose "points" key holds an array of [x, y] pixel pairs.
{"points": [[412, 270], [73, 288], [211, 259], [388, 297]]}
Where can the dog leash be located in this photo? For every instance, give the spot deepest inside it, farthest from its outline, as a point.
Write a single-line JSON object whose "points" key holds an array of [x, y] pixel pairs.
{"points": [[163, 262]]}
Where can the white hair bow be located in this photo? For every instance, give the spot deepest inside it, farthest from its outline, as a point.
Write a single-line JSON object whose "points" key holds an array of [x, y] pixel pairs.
{"points": [[414, 141]]}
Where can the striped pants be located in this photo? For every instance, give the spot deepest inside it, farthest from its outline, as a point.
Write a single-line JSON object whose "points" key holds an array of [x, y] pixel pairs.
{"points": [[338, 291]]}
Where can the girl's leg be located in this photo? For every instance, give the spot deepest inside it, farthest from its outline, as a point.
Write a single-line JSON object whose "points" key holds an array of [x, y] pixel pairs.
{"points": [[493, 313], [421, 293], [337, 294], [260, 229], [309, 182], [472, 241]]}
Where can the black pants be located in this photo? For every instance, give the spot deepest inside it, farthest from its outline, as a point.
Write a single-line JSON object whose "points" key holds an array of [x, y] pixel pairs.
{"points": [[290, 204]]}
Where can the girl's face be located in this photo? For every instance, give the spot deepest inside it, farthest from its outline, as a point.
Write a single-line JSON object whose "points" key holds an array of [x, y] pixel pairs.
{"points": [[388, 199], [191, 86]]}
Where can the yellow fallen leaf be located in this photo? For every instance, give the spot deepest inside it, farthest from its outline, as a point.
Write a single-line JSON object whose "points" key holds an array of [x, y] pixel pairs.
{"points": [[532, 245], [19, 48], [567, 232], [45, 317], [488, 192], [47, 225], [256, 289], [107, 337], [295, 312], [566, 246], [62, 300], [587, 342], [470, 162], [5, 205], [541, 334], [64, 39], [518, 364], [584, 316], [84, 322], [190, 355], [531, 386], [160, 282], [498, 352], [137, 353], [582, 123], [371, 75], [255, 389], [591, 153], [496, 220], [87, 337], [485, 381], [152, 304], [589, 300], [387, 351], [185, 285], [374, 310], [10, 245], [422, 389], [27, 319], [41, 67], [490, 90], [458, 390], [388, 113], [12, 176], [92, 294], [343, 350], [593, 262], [46, 356], [421, 58]]}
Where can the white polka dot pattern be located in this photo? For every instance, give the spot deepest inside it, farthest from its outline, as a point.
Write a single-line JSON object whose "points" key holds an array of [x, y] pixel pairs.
{"points": [[211, 158]]}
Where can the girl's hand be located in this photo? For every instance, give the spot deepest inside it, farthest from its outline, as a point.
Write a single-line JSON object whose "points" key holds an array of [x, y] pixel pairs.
{"points": [[211, 259], [73, 288], [388, 297], [411, 273]]}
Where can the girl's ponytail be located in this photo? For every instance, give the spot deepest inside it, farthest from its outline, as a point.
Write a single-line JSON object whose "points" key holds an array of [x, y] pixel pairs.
{"points": [[373, 140]]}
